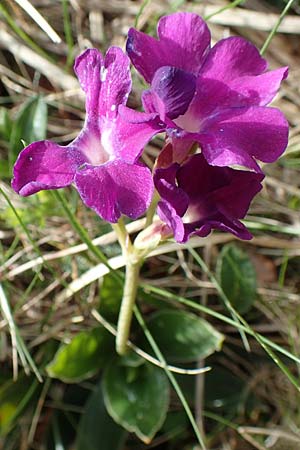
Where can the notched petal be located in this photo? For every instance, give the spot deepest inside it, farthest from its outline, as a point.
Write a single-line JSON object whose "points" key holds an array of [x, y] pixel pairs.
{"points": [[116, 82], [184, 40], [106, 81]]}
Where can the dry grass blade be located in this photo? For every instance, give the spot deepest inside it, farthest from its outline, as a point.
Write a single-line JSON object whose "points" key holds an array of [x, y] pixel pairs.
{"points": [[99, 271], [145, 355], [23, 53], [250, 19], [106, 239], [12, 329], [39, 19], [270, 432]]}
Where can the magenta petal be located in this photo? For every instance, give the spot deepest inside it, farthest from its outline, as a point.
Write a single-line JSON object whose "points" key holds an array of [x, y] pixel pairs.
{"points": [[175, 88], [115, 188], [169, 215], [106, 82], [45, 165], [231, 191], [233, 76], [258, 90], [215, 198], [88, 67], [166, 185], [235, 198], [183, 41], [149, 101], [134, 130], [116, 82], [145, 52], [237, 135], [213, 95], [187, 39], [232, 58]]}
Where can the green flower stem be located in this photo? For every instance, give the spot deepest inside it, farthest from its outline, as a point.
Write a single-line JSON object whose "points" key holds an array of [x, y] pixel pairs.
{"points": [[133, 265], [128, 301], [152, 209], [123, 236]]}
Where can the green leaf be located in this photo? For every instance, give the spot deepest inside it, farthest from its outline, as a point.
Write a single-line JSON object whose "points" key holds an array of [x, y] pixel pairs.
{"points": [[139, 403], [237, 277], [83, 356], [223, 390], [96, 428], [183, 336], [131, 359], [15, 397], [111, 295], [30, 125]]}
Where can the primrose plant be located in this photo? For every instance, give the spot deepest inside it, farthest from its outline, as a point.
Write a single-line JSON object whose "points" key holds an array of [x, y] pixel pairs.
{"points": [[211, 104]]}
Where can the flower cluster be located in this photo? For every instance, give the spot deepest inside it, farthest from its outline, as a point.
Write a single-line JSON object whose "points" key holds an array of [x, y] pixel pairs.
{"points": [[211, 103]]}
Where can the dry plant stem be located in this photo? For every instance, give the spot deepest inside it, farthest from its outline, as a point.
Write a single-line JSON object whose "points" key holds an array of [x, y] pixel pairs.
{"points": [[128, 301]]}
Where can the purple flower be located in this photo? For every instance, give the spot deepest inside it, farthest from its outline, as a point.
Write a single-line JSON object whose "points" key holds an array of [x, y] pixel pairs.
{"points": [[197, 197], [216, 96], [102, 161]]}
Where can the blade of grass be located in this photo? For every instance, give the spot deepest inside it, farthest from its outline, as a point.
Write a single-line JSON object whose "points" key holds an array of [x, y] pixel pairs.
{"points": [[163, 293], [265, 343], [224, 422], [23, 403], [11, 249], [230, 6], [223, 297], [18, 345], [28, 290], [39, 20], [286, 229], [14, 26], [68, 32], [36, 248], [49, 268], [240, 319], [38, 411], [6, 312], [113, 330], [282, 271], [58, 443], [171, 377], [275, 28], [143, 6], [59, 196]]}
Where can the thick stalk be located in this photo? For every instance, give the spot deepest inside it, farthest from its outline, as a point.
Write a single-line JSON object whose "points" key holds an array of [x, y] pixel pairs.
{"points": [[123, 237], [128, 301], [152, 209]]}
